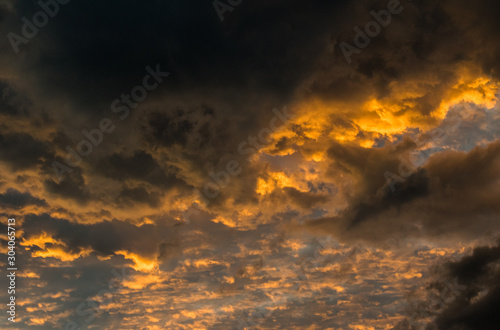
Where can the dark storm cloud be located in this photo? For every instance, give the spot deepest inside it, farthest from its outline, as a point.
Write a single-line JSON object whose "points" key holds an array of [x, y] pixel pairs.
{"points": [[131, 196], [477, 19], [60, 139], [481, 315], [197, 131], [169, 131], [198, 142], [23, 151], [427, 37], [294, 42], [303, 199], [72, 186], [4, 12], [369, 164], [139, 166], [477, 306], [11, 102], [91, 64], [470, 268], [417, 185], [13, 198], [455, 193]]}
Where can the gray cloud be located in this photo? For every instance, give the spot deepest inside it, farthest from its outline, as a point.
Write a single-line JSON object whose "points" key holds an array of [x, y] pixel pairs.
{"points": [[15, 199]]}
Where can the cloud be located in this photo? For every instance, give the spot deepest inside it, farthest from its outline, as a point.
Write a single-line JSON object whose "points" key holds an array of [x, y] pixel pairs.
{"points": [[22, 151], [13, 198], [72, 186], [351, 125], [105, 238], [475, 305], [452, 194], [304, 200], [11, 103], [130, 196], [139, 166]]}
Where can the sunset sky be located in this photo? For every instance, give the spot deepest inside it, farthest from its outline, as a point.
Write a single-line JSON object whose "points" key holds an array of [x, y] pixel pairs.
{"points": [[251, 164]]}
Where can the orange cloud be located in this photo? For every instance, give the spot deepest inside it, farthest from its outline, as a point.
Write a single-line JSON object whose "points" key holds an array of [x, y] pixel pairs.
{"points": [[141, 264]]}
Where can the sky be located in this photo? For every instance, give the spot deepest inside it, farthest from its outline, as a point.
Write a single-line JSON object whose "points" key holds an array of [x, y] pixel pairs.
{"points": [[242, 164]]}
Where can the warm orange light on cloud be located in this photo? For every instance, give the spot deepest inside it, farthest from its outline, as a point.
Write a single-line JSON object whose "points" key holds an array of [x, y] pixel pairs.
{"points": [[140, 281], [381, 117], [141, 264], [29, 274], [479, 91], [41, 240], [227, 221], [316, 120], [273, 181], [201, 263], [61, 254], [361, 327]]}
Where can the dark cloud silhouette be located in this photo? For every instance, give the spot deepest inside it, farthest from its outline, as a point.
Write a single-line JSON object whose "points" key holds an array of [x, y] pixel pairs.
{"points": [[305, 200], [140, 166], [71, 186], [131, 196], [15, 199], [477, 307], [454, 193], [11, 102], [22, 151], [186, 37]]}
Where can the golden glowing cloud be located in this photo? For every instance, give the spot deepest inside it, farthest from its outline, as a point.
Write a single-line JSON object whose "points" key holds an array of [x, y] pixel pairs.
{"points": [[41, 240], [61, 254], [141, 264]]}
